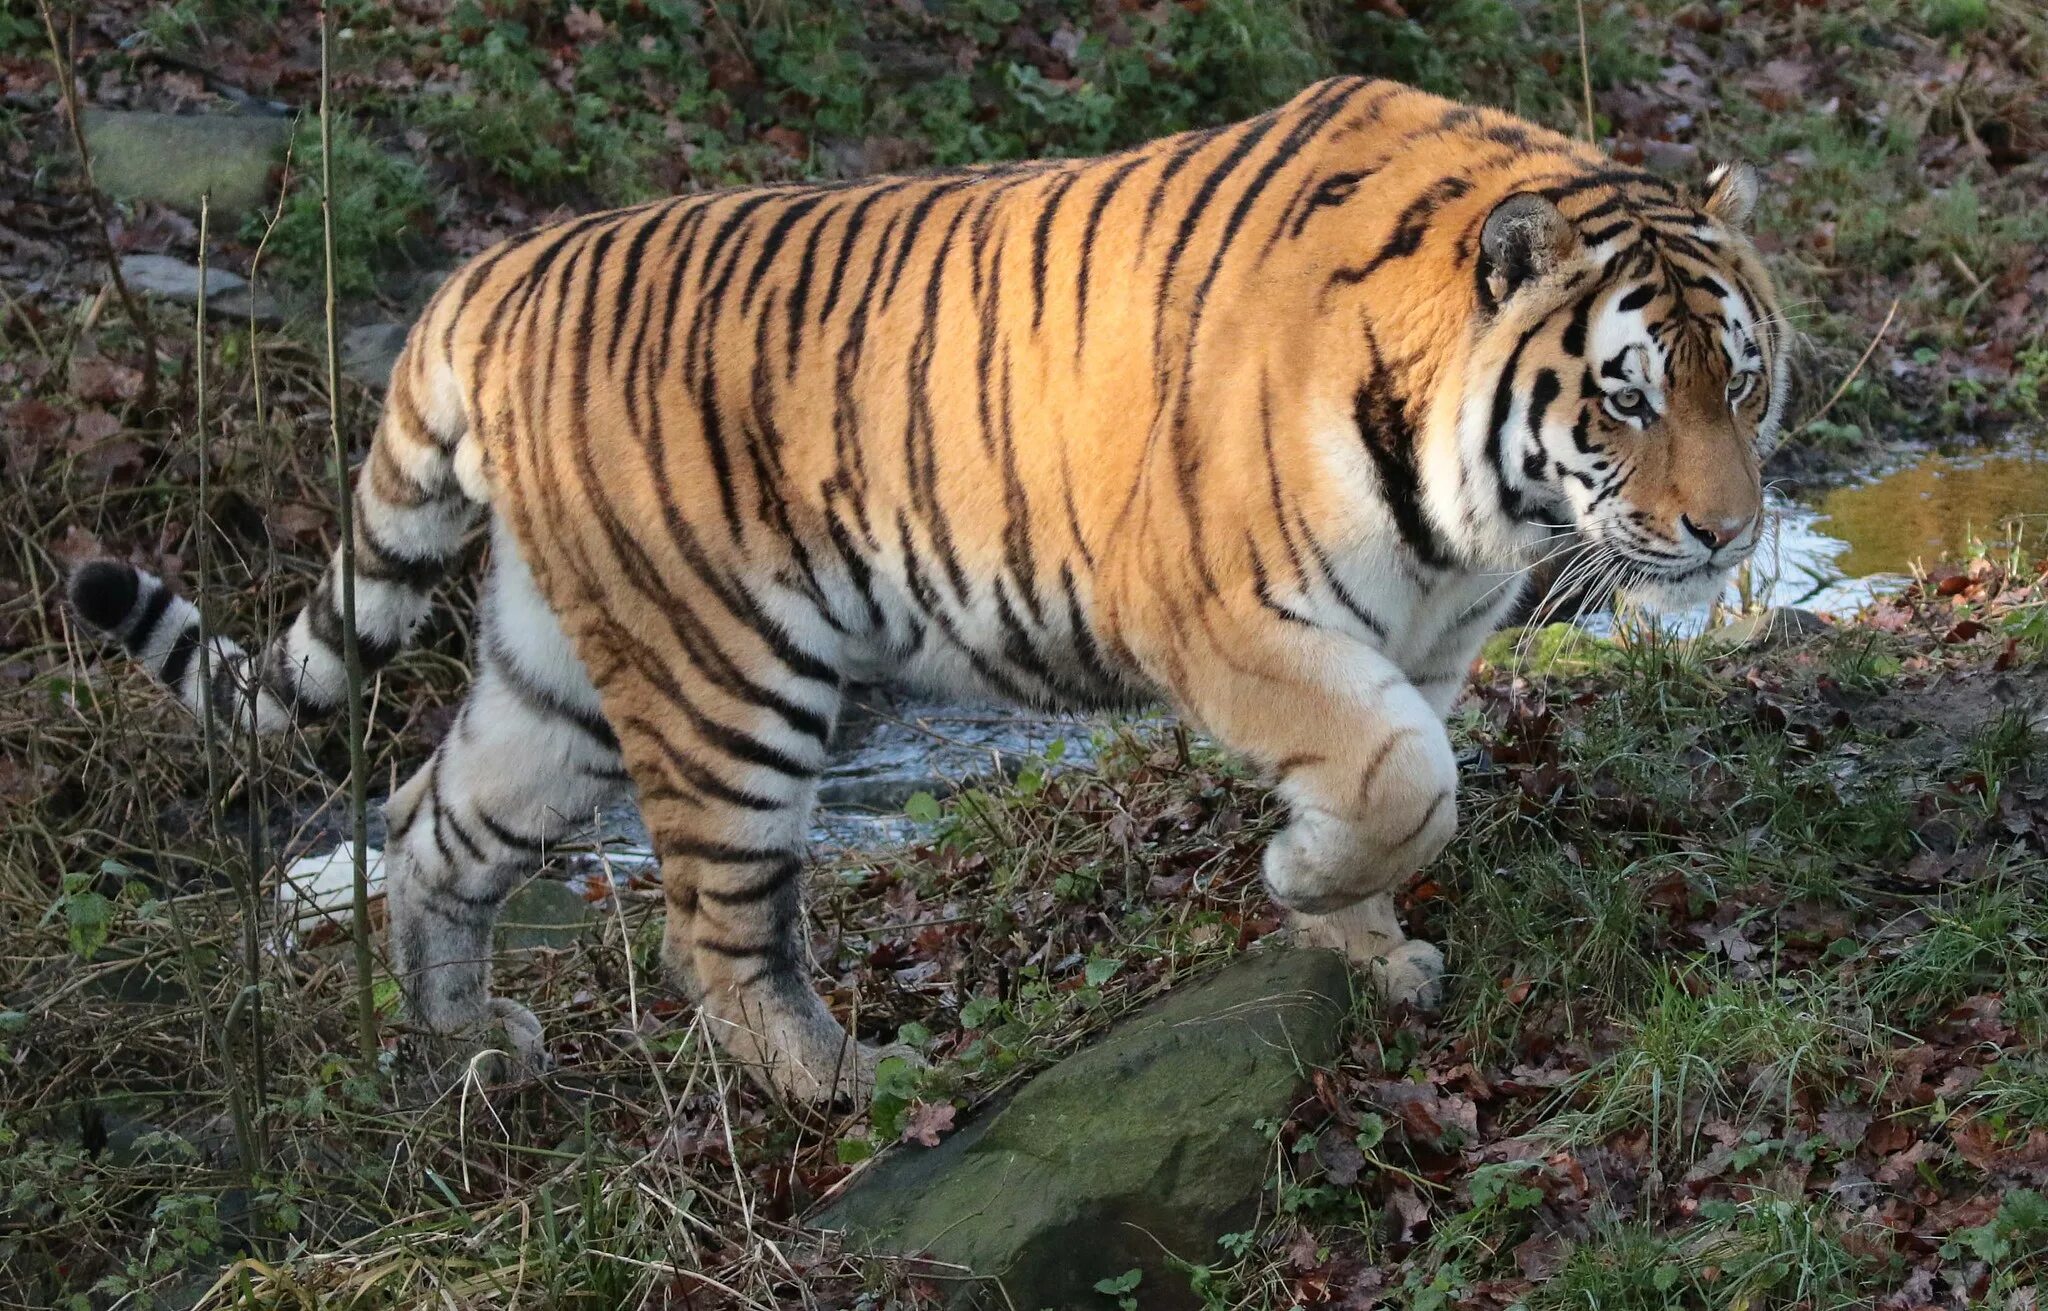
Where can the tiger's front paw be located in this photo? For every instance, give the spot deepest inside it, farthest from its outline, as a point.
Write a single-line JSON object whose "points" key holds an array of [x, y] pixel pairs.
{"points": [[1411, 974], [1368, 932]]}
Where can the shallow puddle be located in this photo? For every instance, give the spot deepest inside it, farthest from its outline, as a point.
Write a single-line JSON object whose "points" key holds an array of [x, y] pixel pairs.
{"points": [[1831, 554]]}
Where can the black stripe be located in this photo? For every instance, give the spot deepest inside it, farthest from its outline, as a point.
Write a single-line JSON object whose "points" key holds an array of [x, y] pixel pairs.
{"points": [[510, 837], [1409, 229], [145, 625], [844, 257], [918, 214], [542, 701], [746, 894], [777, 234], [1086, 262], [1497, 422], [1041, 235], [1390, 439], [1541, 393], [697, 777], [774, 947], [180, 655], [381, 562], [1574, 342]]}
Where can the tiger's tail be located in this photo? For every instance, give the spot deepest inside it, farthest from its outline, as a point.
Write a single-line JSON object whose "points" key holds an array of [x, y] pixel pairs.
{"points": [[411, 514]]}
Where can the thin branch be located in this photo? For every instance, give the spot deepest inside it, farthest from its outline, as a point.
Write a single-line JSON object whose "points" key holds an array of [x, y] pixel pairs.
{"points": [[351, 651], [1585, 70], [1862, 360], [67, 87]]}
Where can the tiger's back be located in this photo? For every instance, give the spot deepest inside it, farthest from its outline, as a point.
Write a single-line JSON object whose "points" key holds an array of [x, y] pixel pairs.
{"points": [[1264, 420]]}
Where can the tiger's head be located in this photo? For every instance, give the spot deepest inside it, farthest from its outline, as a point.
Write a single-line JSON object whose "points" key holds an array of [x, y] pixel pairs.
{"points": [[1631, 377]]}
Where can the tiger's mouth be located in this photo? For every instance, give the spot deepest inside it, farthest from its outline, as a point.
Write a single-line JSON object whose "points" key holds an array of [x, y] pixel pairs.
{"points": [[1660, 588]]}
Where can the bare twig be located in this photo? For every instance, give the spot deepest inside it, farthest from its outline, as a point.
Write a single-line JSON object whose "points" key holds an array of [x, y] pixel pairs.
{"points": [[67, 86], [351, 651], [1585, 70], [1861, 360]]}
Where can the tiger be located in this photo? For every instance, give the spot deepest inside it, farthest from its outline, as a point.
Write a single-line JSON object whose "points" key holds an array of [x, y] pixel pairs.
{"points": [[1267, 422]]}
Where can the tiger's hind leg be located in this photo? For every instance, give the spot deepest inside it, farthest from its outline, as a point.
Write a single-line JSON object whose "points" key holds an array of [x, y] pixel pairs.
{"points": [[529, 759], [724, 724]]}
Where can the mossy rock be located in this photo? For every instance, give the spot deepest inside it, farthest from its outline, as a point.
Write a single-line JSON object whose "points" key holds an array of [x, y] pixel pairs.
{"points": [[1558, 650], [1148, 1143], [1765, 628], [543, 912], [175, 159]]}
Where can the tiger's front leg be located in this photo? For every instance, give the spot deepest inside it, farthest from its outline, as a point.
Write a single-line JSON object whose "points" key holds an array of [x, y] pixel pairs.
{"points": [[1365, 765]]}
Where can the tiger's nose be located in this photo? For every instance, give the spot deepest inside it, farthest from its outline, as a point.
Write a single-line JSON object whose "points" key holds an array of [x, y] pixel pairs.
{"points": [[1716, 535]]}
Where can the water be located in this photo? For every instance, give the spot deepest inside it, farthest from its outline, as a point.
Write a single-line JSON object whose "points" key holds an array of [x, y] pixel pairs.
{"points": [[1832, 553]]}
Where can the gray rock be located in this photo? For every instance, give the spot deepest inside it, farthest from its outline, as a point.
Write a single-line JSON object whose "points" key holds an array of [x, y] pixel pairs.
{"points": [[1766, 628], [1144, 1144], [368, 352], [174, 159], [243, 304], [174, 279], [543, 913], [228, 295]]}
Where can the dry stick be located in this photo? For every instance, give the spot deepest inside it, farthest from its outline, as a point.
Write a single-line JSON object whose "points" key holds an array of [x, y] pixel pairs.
{"points": [[249, 994], [1585, 69], [253, 833], [68, 88], [351, 651], [1861, 360]]}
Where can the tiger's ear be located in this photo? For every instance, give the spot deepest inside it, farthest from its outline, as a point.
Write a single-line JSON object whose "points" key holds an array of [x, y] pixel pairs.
{"points": [[1731, 194], [1524, 238]]}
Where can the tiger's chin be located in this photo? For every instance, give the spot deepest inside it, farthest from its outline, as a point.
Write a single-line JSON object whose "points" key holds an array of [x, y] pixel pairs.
{"points": [[1665, 594]]}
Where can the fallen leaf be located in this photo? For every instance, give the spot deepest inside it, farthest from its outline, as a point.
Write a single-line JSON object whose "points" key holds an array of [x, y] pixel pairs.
{"points": [[928, 1122], [97, 378], [1340, 1157], [1410, 1213], [95, 426]]}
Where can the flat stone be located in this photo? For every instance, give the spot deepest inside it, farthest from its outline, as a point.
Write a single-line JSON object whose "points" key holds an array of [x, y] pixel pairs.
{"points": [[543, 912], [1766, 628], [1145, 1144], [175, 159], [228, 295], [369, 352], [243, 304], [174, 279]]}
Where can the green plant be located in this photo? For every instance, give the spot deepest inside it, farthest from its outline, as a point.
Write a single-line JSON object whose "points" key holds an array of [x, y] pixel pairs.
{"points": [[382, 203], [1123, 1288]]}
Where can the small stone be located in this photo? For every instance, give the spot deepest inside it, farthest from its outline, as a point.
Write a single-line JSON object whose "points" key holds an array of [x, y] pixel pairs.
{"points": [[543, 912], [1766, 628], [243, 304], [174, 279], [1144, 1145], [369, 352], [175, 159]]}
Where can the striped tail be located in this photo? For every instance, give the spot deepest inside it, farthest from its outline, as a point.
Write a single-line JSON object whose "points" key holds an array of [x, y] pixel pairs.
{"points": [[411, 514]]}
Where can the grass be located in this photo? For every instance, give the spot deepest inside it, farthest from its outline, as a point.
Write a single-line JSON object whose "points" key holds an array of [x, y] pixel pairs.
{"points": [[1661, 1029], [1734, 933], [383, 205]]}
